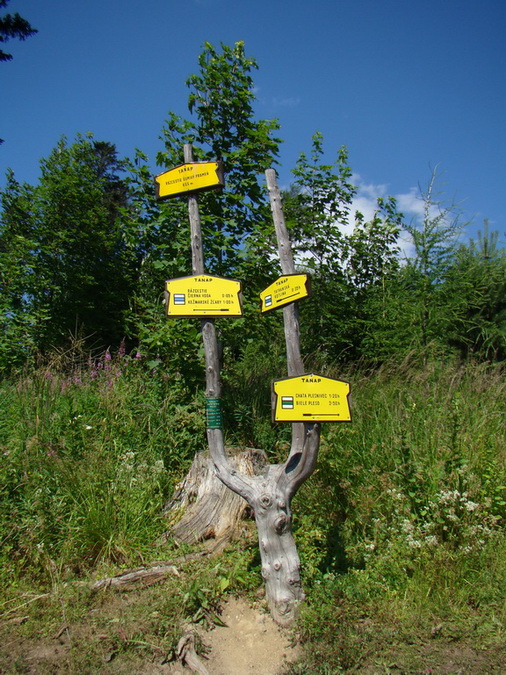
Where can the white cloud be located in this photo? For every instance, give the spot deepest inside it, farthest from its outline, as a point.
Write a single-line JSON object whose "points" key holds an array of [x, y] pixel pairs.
{"points": [[365, 199], [369, 190], [287, 102], [410, 204]]}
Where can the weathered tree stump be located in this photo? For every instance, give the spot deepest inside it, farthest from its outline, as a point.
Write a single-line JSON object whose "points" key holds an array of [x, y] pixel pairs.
{"points": [[203, 508], [270, 495]]}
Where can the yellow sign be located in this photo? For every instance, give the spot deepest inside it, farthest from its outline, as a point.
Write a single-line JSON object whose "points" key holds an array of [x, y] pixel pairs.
{"points": [[311, 398], [193, 177], [203, 295], [285, 290]]}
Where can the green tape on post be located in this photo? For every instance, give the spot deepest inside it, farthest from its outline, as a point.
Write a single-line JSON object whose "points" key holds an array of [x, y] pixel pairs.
{"points": [[213, 413]]}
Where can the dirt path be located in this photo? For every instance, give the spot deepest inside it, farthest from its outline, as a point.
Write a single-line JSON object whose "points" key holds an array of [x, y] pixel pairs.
{"points": [[251, 643], [108, 639]]}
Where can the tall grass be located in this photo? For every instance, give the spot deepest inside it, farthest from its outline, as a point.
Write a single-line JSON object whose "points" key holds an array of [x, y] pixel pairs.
{"points": [[89, 457], [403, 520]]}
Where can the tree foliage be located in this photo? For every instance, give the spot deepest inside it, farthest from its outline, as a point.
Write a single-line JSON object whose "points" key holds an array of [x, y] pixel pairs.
{"points": [[475, 285], [66, 268], [13, 26], [348, 257], [87, 249], [222, 126]]}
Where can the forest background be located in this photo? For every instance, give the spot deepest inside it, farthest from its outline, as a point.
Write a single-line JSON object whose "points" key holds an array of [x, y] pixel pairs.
{"points": [[102, 396]]}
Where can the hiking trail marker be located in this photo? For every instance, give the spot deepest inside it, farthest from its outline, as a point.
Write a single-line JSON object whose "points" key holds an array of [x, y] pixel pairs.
{"points": [[304, 400], [189, 177], [311, 398], [286, 289], [203, 295]]}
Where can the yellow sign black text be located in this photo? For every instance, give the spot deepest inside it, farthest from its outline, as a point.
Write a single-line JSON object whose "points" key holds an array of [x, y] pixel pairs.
{"points": [[203, 295], [193, 177], [286, 289], [311, 398]]}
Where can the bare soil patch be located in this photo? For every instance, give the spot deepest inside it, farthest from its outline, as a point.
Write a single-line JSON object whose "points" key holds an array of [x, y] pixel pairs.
{"points": [[250, 643]]}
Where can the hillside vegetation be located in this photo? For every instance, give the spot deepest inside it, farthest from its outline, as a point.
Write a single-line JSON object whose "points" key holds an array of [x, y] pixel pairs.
{"points": [[401, 528]]}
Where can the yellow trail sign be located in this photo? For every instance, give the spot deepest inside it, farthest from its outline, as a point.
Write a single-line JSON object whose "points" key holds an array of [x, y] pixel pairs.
{"points": [[311, 398], [283, 291], [203, 295], [191, 177]]}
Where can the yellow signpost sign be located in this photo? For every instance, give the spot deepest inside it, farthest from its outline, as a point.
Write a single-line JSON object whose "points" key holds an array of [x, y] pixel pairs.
{"points": [[311, 398], [284, 290], [203, 295], [192, 177]]}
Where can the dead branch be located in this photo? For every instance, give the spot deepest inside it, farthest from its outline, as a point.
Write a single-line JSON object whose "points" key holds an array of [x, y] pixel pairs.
{"points": [[144, 576]]}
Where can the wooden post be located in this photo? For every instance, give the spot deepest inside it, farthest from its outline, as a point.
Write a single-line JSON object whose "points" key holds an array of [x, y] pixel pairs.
{"points": [[213, 384], [269, 494], [224, 470], [195, 228], [290, 312]]}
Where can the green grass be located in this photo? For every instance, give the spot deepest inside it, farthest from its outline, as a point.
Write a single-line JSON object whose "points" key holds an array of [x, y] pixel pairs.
{"points": [[88, 461], [401, 529]]}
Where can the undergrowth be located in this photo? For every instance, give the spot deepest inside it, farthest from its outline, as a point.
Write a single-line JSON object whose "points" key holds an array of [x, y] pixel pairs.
{"points": [[89, 457], [402, 526], [400, 529]]}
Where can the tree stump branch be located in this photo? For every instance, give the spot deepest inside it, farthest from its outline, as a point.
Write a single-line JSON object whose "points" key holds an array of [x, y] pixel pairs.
{"points": [[188, 656]]}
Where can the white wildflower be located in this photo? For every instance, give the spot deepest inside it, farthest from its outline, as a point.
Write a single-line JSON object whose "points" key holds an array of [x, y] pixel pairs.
{"points": [[407, 526]]}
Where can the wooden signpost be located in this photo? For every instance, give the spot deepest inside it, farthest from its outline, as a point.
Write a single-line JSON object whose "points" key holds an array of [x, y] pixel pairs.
{"points": [[303, 399]]}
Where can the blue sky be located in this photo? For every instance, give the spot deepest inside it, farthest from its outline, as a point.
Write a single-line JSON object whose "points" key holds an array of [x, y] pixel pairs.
{"points": [[406, 85]]}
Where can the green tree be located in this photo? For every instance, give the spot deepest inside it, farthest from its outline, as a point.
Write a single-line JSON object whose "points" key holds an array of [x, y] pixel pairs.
{"points": [[373, 246], [317, 209], [347, 262], [475, 288], [435, 240], [222, 126], [73, 268], [21, 319], [13, 26], [372, 267], [409, 312]]}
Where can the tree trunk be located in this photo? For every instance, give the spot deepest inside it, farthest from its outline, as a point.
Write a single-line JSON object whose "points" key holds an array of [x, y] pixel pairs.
{"points": [[203, 508], [280, 560], [269, 494]]}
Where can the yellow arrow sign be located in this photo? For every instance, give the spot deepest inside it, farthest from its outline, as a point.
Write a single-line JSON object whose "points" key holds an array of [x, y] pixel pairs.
{"points": [[193, 177], [203, 295], [311, 398], [284, 290]]}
